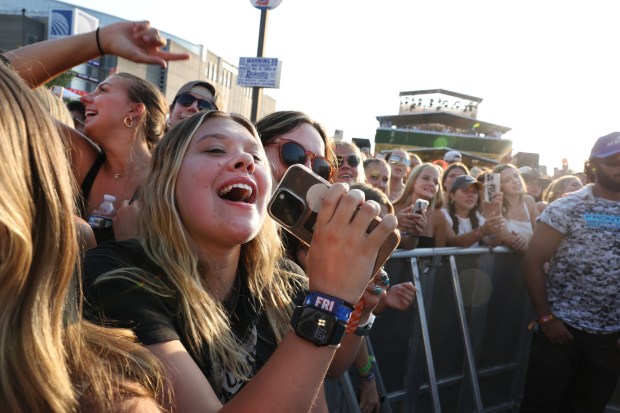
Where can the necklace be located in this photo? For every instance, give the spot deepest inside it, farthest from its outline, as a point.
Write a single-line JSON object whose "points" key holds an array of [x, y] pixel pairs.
{"points": [[118, 176]]}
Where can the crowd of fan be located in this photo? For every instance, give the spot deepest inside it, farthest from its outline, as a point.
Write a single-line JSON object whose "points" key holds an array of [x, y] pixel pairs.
{"points": [[141, 272]]}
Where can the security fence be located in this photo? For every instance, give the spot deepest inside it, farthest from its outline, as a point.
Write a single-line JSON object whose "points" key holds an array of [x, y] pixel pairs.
{"points": [[464, 344]]}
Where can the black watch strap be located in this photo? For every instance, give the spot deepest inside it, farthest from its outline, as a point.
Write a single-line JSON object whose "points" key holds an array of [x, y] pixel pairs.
{"points": [[318, 326]]}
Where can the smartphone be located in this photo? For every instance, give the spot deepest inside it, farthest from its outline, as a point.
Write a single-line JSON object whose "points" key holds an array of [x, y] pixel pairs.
{"points": [[296, 202], [491, 186], [419, 206]]}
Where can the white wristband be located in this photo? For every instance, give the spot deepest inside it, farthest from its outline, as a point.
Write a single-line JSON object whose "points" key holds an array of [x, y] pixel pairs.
{"points": [[370, 321]]}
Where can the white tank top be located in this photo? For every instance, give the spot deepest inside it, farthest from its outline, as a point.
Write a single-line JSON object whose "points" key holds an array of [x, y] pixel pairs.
{"points": [[521, 227]]}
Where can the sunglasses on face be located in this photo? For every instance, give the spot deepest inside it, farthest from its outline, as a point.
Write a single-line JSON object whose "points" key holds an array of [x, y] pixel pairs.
{"points": [[292, 153], [352, 160], [395, 159], [188, 100]]}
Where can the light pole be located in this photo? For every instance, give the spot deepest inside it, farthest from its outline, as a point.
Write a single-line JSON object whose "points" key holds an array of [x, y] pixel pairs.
{"points": [[257, 92], [264, 6]]}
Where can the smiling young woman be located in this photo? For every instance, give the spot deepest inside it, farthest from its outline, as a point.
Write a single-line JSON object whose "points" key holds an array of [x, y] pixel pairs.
{"points": [[426, 230], [205, 285], [125, 114]]}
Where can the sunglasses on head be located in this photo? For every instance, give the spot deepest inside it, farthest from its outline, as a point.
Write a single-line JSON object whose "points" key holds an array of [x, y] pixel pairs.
{"points": [[188, 100], [352, 160], [292, 153], [395, 159]]}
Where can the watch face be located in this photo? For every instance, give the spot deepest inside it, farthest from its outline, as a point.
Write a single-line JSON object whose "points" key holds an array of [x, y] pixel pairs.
{"points": [[316, 326]]}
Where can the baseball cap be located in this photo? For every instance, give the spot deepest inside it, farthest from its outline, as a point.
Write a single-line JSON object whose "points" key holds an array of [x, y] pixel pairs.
{"points": [[464, 181], [527, 172], [532, 175], [453, 156], [607, 145], [194, 87]]}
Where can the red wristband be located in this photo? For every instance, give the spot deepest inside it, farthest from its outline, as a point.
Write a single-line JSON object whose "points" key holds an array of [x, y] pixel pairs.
{"points": [[546, 318], [541, 320]]}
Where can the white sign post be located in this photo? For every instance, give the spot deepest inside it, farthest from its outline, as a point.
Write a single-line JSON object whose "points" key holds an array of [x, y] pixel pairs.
{"points": [[259, 72]]}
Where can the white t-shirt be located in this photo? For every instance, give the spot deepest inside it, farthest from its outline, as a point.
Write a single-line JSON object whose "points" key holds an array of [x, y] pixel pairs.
{"points": [[464, 223]]}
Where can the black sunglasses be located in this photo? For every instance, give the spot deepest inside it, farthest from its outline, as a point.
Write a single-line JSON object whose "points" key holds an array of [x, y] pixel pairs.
{"points": [[203, 104], [352, 160], [292, 153], [611, 161]]}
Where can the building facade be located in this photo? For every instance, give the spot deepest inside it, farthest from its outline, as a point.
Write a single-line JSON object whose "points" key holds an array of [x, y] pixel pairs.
{"points": [[435, 121], [24, 22]]}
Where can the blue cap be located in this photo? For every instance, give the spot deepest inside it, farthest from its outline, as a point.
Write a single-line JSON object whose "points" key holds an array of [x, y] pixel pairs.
{"points": [[607, 145]]}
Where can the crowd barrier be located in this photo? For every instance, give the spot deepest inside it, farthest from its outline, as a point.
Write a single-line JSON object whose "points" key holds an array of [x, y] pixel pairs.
{"points": [[464, 344]]}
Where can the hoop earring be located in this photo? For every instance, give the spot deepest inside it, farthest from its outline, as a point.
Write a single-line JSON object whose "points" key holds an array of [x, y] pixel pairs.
{"points": [[128, 121]]}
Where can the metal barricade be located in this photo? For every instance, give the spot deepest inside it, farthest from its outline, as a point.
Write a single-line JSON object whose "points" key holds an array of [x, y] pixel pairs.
{"points": [[464, 344]]}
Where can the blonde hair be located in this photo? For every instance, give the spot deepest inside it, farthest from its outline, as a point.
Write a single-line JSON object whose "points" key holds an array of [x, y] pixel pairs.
{"points": [[167, 243], [153, 121], [498, 170], [54, 105], [50, 359], [405, 198], [557, 188]]}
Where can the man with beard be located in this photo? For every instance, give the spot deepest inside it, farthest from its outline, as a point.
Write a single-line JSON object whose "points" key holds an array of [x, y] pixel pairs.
{"points": [[574, 362]]}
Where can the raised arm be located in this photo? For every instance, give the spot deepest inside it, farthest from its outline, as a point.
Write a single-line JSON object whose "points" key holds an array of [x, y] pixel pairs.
{"points": [[39, 62]]}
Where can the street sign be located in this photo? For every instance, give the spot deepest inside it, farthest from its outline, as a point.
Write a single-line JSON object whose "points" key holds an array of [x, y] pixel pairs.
{"points": [[259, 72]]}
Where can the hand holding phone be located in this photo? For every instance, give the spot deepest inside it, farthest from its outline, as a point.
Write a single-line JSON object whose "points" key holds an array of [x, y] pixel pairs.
{"points": [[491, 186], [420, 206], [299, 197]]}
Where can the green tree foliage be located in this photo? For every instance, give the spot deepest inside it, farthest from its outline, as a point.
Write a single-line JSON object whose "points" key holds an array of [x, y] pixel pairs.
{"points": [[64, 80]]}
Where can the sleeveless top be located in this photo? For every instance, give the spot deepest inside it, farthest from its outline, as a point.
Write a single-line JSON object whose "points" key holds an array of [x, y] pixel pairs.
{"points": [[87, 184], [523, 228], [101, 234]]}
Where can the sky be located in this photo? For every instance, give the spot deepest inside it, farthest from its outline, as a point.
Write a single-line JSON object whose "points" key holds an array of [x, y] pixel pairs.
{"points": [[546, 69]]}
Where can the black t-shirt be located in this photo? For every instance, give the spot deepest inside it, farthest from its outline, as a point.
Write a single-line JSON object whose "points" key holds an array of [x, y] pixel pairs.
{"points": [[125, 302]]}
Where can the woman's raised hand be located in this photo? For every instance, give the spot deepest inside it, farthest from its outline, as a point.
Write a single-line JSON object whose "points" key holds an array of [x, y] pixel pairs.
{"points": [[138, 42], [342, 254]]}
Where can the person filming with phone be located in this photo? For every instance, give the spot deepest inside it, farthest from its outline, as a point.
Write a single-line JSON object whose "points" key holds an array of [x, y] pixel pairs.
{"points": [[421, 228], [206, 287], [467, 227]]}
